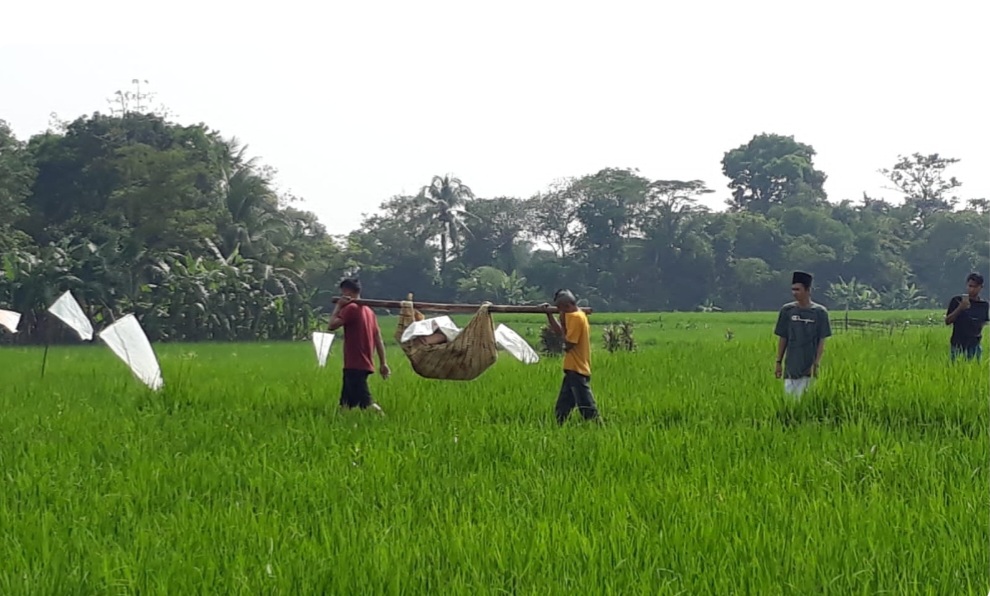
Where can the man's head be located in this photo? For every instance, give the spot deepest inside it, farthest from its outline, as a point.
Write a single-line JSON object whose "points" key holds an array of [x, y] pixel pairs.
{"points": [[565, 301], [350, 287], [974, 284], [801, 285]]}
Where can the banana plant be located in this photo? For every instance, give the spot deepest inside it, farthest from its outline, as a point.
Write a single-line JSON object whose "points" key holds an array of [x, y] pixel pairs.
{"points": [[853, 295]]}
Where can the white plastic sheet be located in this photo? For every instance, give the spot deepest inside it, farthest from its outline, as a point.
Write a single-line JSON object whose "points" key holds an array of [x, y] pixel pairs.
{"points": [[322, 342], [442, 324], [513, 343], [129, 342], [505, 338], [68, 310], [10, 319]]}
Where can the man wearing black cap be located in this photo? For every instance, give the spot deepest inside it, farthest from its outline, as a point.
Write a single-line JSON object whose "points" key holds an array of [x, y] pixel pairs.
{"points": [[802, 327]]}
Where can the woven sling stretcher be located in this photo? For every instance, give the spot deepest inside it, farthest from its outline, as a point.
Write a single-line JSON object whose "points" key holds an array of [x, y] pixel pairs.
{"points": [[464, 359]]}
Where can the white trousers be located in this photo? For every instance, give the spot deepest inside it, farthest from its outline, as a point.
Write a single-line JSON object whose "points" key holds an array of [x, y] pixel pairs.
{"points": [[796, 387]]}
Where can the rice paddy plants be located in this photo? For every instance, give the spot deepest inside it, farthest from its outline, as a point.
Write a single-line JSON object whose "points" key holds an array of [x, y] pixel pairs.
{"points": [[242, 476]]}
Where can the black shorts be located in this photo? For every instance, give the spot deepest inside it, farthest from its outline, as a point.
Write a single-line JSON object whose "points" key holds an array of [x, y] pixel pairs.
{"points": [[355, 392]]}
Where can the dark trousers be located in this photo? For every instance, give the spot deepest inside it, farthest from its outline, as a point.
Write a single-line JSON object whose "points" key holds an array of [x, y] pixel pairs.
{"points": [[970, 352], [575, 392], [355, 392]]}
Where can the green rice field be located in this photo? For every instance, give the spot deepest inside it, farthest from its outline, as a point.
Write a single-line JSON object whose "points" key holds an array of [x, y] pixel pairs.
{"points": [[242, 477]]}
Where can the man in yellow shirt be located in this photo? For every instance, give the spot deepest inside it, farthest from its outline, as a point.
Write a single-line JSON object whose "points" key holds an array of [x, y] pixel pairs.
{"points": [[575, 391]]}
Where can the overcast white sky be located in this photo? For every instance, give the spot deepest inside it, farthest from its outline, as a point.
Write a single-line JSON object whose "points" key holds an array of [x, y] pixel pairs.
{"points": [[355, 102]]}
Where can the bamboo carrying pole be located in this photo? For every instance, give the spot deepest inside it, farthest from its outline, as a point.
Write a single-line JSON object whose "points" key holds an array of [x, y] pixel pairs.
{"points": [[463, 308]]}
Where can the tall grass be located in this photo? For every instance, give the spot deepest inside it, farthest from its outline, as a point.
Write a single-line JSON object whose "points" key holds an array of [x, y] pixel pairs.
{"points": [[243, 477]]}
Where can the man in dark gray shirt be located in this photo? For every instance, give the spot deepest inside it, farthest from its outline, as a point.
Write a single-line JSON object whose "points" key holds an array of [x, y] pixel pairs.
{"points": [[802, 327]]}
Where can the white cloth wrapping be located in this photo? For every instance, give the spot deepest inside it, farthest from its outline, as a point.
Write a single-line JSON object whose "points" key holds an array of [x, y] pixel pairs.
{"points": [[513, 343], [428, 326]]}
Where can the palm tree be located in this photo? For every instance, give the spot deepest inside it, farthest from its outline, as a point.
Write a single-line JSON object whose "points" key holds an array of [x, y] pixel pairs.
{"points": [[253, 206], [446, 196]]}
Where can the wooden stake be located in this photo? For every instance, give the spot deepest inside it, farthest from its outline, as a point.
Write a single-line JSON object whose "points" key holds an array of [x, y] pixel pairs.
{"points": [[46, 324]]}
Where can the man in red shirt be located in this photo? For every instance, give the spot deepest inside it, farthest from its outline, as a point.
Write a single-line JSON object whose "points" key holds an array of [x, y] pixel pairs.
{"points": [[361, 337]]}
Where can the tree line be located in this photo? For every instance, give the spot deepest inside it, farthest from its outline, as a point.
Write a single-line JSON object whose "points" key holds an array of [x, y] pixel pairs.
{"points": [[175, 223]]}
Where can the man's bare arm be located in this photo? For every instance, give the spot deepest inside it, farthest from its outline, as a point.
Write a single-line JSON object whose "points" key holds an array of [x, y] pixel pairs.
{"points": [[568, 346], [335, 321], [820, 351], [952, 316], [559, 328], [380, 348], [781, 348]]}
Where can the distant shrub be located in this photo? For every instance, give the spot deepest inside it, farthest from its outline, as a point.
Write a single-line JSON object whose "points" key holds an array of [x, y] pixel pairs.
{"points": [[619, 337]]}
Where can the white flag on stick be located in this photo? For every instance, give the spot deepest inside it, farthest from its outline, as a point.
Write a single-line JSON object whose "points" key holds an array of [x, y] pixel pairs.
{"points": [[129, 342], [68, 310], [322, 342], [10, 319]]}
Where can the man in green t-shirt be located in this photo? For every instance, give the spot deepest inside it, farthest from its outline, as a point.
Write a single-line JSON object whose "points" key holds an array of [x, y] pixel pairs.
{"points": [[802, 327]]}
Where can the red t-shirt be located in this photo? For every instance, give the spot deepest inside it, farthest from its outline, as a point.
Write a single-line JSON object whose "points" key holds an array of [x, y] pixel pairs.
{"points": [[360, 332]]}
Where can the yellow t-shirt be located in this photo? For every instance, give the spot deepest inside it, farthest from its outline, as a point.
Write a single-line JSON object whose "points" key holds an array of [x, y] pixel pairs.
{"points": [[577, 331]]}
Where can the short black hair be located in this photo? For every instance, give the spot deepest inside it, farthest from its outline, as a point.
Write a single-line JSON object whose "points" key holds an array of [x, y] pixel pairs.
{"points": [[975, 277], [351, 283]]}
